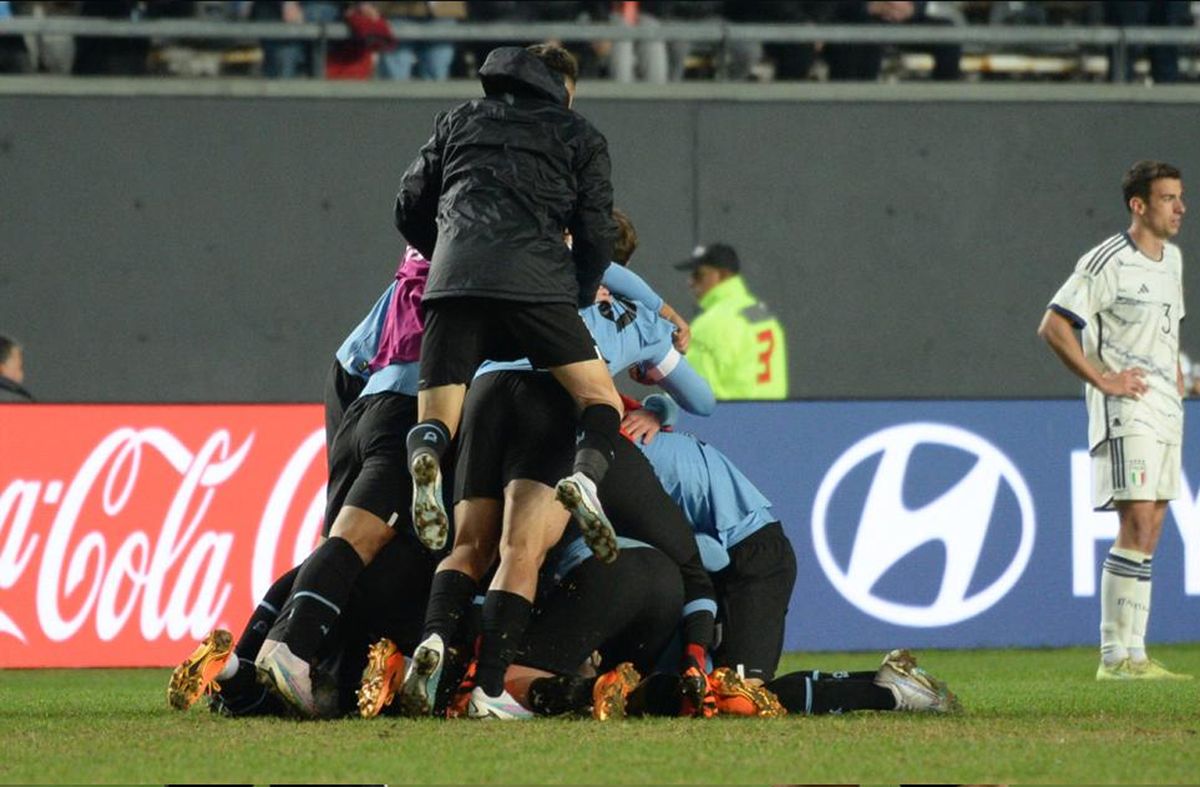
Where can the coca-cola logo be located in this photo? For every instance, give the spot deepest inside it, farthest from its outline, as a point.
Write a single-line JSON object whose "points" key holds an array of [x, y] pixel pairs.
{"points": [[155, 535]]}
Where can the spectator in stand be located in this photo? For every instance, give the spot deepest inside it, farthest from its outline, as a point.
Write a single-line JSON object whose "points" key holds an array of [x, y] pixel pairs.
{"points": [[592, 56], [737, 343], [116, 56], [863, 61], [286, 58], [791, 61], [12, 372], [657, 60], [14, 58], [429, 59], [1164, 59]]}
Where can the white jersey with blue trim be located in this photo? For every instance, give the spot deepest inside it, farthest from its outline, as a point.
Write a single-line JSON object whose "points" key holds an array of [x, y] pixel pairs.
{"points": [[715, 497], [1129, 307]]}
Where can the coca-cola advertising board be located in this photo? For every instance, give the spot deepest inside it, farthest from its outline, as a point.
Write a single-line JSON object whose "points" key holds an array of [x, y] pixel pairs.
{"points": [[127, 532]]}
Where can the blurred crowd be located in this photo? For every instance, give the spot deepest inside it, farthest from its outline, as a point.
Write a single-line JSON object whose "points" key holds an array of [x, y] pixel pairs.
{"points": [[374, 52]]}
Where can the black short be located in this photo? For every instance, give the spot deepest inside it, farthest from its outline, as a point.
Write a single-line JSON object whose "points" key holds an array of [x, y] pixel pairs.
{"points": [[341, 389], [368, 461], [753, 594], [461, 333], [628, 610], [515, 425]]}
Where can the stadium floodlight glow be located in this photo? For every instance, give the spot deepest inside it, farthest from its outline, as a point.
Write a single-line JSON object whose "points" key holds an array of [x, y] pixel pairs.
{"points": [[888, 530]]}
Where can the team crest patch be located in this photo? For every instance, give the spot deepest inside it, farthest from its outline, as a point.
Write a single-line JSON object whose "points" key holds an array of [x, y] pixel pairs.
{"points": [[1137, 472]]}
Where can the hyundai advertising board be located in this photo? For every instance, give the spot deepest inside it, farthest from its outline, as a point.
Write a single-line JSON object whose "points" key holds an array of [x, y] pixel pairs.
{"points": [[949, 523]]}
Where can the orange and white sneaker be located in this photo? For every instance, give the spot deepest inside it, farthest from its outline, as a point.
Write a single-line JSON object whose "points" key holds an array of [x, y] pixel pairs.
{"points": [[610, 691], [736, 697], [381, 678], [197, 675]]}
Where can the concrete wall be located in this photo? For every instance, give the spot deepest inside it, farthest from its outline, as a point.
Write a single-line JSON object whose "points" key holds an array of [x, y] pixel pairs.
{"points": [[201, 245]]}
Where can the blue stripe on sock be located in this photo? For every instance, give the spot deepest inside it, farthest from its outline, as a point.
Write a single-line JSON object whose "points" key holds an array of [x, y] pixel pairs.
{"points": [[700, 605], [807, 696]]}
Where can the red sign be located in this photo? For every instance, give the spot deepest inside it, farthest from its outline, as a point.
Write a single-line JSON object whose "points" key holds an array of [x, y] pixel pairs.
{"points": [[128, 532]]}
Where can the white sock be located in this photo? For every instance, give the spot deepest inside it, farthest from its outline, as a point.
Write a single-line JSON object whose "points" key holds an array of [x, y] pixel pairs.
{"points": [[1141, 616], [1118, 596]]}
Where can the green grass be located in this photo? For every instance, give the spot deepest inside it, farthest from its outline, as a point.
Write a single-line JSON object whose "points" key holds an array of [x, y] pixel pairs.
{"points": [[1031, 716]]}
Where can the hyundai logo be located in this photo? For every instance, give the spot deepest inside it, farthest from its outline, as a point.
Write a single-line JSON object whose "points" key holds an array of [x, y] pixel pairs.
{"points": [[888, 530]]}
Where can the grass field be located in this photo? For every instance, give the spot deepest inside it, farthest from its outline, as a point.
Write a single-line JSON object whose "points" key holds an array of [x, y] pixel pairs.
{"points": [[1031, 716]]}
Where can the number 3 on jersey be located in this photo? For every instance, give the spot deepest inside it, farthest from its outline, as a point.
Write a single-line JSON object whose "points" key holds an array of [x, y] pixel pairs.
{"points": [[766, 344]]}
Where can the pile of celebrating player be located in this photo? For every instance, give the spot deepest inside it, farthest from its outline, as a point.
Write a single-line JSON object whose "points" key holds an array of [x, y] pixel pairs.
{"points": [[505, 536]]}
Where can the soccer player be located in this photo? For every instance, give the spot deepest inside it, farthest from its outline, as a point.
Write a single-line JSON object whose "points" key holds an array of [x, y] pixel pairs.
{"points": [[368, 490], [487, 202], [743, 543], [1126, 295]]}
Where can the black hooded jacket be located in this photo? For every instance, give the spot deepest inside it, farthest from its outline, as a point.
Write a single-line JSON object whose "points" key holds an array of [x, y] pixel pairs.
{"points": [[489, 196]]}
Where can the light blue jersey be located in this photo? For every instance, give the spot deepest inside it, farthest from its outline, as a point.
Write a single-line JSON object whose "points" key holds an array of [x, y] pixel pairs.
{"points": [[716, 498], [359, 349]]}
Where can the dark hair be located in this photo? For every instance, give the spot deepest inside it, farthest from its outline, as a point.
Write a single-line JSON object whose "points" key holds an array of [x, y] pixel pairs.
{"points": [[557, 59], [627, 237], [1137, 180], [7, 343]]}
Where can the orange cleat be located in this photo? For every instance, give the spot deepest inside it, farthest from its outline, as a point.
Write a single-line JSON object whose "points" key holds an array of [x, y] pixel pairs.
{"points": [[381, 678], [610, 691], [698, 697], [461, 700], [736, 697], [197, 675]]}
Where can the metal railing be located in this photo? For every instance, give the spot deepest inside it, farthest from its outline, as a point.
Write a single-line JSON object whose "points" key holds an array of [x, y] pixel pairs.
{"points": [[719, 33]]}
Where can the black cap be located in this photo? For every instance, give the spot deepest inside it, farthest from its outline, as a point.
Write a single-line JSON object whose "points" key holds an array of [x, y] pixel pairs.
{"points": [[718, 255]]}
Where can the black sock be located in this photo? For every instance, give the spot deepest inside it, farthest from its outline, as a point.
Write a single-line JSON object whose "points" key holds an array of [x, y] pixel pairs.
{"points": [[505, 618], [450, 598], [815, 693], [264, 616], [699, 628], [430, 435], [317, 598], [658, 694], [599, 430], [560, 694]]}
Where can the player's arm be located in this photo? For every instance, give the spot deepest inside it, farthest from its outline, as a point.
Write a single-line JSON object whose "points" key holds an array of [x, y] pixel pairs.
{"points": [[676, 376], [625, 283], [420, 189], [1058, 331], [591, 226]]}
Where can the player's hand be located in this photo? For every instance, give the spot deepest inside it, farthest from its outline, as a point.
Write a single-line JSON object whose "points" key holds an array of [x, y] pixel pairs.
{"points": [[641, 426], [1130, 383], [682, 336]]}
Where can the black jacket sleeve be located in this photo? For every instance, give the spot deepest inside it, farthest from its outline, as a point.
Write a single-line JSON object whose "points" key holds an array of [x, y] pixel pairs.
{"points": [[592, 229], [420, 189]]}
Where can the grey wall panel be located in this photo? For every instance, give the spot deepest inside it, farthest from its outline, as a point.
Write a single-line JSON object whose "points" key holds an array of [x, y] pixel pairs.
{"points": [[217, 249]]}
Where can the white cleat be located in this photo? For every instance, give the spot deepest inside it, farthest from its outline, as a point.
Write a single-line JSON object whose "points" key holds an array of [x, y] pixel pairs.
{"points": [[577, 493], [428, 511], [482, 706], [418, 693], [287, 675], [914, 688]]}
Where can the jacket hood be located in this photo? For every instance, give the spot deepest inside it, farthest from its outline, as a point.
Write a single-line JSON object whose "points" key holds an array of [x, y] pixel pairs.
{"points": [[510, 69]]}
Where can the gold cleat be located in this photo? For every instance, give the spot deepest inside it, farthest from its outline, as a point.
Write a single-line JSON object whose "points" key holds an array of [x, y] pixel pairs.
{"points": [[610, 691], [1151, 670], [381, 678], [197, 675], [736, 697]]}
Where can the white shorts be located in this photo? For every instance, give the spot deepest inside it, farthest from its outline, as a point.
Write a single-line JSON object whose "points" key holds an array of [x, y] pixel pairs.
{"points": [[1134, 467]]}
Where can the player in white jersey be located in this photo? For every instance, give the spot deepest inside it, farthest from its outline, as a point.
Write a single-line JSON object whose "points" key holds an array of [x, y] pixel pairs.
{"points": [[1126, 295]]}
